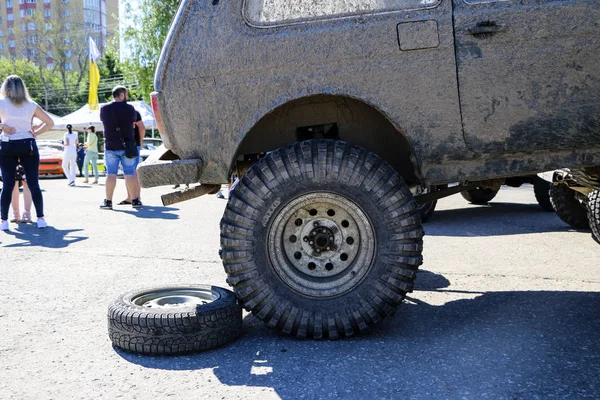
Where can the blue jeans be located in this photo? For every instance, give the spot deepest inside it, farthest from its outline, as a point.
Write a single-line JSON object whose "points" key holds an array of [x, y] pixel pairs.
{"points": [[24, 152], [112, 159]]}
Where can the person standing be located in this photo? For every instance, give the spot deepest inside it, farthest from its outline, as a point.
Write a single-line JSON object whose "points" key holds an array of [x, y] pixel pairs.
{"points": [[91, 154], [69, 166], [139, 131], [21, 181], [18, 145], [118, 119], [80, 158]]}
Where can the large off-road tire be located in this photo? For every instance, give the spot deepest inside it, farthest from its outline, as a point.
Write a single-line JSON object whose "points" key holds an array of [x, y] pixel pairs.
{"points": [[321, 239], [570, 206], [593, 211], [480, 195], [174, 320], [541, 189]]}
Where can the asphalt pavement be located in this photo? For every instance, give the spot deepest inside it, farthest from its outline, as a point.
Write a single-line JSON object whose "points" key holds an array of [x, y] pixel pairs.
{"points": [[505, 307]]}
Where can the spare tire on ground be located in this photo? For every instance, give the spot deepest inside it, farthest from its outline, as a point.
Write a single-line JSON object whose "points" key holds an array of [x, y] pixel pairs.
{"points": [[174, 319]]}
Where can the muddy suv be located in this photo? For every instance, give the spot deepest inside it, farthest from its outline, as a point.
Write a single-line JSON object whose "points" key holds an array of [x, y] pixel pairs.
{"points": [[330, 112]]}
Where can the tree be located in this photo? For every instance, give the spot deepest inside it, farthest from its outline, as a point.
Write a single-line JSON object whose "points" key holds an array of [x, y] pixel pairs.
{"points": [[146, 37]]}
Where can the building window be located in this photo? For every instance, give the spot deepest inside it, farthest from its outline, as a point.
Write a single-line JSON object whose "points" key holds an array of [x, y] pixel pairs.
{"points": [[1, 46], [49, 65], [47, 13], [8, 3], [68, 66]]}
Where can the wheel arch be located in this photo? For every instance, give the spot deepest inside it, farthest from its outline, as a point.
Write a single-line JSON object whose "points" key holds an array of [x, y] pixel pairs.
{"points": [[340, 117]]}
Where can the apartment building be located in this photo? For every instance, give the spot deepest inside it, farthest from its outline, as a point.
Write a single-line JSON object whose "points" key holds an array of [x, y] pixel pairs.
{"points": [[51, 31]]}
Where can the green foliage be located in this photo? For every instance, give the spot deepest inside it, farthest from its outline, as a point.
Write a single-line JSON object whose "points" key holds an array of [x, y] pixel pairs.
{"points": [[146, 37]]}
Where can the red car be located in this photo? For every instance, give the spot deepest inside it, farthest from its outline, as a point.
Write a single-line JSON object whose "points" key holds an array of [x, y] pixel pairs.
{"points": [[51, 152]]}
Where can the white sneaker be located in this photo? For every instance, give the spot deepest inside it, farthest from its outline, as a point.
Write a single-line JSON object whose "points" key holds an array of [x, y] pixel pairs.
{"points": [[4, 226], [41, 223]]}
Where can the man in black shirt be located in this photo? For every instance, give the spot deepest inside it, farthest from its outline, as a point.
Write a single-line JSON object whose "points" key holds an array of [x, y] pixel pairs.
{"points": [[118, 114]]}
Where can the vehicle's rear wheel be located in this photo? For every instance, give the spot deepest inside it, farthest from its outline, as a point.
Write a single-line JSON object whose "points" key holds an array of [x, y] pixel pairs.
{"points": [[174, 320], [321, 239], [570, 206], [480, 195], [541, 189], [593, 210]]}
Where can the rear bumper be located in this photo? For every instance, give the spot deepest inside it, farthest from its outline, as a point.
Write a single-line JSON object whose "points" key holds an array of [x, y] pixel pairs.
{"points": [[156, 172]]}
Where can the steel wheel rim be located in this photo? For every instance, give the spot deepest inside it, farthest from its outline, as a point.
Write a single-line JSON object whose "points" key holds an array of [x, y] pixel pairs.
{"points": [[175, 298], [321, 245]]}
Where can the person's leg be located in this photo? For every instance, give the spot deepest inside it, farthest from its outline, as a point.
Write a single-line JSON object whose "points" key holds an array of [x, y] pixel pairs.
{"points": [[136, 181], [14, 203], [27, 197], [130, 178], [73, 166], [65, 167], [111, 160], [26, 217], [86, 166], [94, 159], [8, 166], [31, 164]]}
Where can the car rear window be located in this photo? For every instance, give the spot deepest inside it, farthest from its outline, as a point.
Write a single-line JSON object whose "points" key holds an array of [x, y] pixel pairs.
{"points": [[269, 12]]}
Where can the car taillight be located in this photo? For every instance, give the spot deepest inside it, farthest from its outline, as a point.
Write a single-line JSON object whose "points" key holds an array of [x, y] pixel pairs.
{"points": [[157, 113]]}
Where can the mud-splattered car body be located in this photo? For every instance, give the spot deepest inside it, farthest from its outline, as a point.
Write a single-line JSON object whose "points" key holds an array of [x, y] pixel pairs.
{"points": [[444, 91]]}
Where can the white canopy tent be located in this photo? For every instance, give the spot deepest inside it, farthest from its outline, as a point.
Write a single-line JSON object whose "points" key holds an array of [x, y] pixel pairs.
{"points": [[85, 117]]}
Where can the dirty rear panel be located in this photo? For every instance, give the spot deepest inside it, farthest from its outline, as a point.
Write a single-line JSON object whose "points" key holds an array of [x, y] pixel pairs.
{"points": [[223, 75]]}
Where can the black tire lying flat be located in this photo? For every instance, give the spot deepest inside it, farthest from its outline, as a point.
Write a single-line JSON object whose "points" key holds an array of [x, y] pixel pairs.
{"points": [[568, 206], [541, 189], [321, 239], [174, 320], [480, 195], [593, 211]]}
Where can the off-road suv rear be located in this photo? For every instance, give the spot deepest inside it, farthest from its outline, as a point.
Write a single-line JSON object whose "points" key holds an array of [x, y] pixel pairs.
{"points": [[331, 111]]}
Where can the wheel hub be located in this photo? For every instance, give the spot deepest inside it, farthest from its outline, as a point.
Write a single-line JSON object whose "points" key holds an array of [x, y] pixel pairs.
{"points": [[321, 244]]}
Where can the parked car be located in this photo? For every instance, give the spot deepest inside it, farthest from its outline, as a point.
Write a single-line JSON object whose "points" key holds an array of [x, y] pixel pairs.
{"points": [[148, 146], [51, 152], [355, 103]]}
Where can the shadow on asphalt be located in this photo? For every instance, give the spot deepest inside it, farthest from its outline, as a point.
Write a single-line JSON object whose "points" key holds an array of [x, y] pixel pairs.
{"points": [[50, 237], [518, 345], [495, 219], [149, 212]]}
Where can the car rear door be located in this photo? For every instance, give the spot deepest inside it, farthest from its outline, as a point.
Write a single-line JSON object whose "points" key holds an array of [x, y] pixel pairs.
{"points": [[528, 73]]}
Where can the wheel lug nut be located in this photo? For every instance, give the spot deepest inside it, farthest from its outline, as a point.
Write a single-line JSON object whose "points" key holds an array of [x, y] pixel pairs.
{"points": [[311, 242], [329, 248], [316, 223], [318, 251], [305, 238]]}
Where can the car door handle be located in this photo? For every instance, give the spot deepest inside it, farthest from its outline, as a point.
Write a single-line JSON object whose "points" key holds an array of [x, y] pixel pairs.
{"points": [[485, 28]]}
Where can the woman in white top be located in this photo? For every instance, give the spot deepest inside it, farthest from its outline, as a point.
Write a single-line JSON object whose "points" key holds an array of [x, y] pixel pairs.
{"points": [[69, 161], [17, 144]]}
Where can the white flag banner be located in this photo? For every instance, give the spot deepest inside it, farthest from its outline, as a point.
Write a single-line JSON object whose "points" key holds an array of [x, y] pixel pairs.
{"points": [[94, 52]]}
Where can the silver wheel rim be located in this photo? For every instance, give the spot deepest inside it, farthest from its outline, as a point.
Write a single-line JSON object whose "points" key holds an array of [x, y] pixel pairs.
{"points": [[175, 298], [321, 245]]}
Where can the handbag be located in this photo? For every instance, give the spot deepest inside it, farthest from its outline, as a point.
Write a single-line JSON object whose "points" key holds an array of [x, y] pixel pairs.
{"points": [[131, 150]]}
